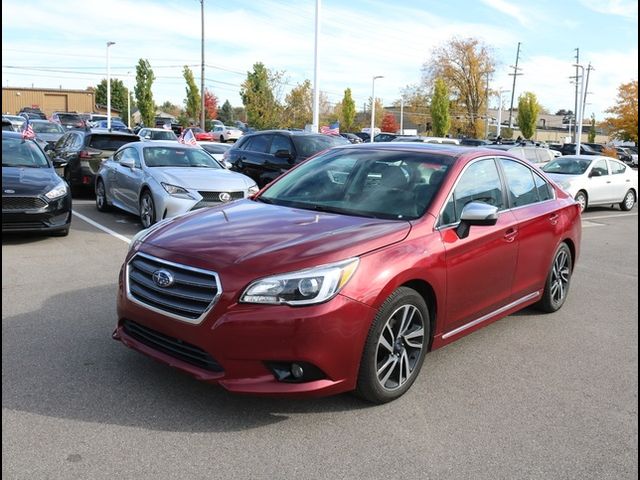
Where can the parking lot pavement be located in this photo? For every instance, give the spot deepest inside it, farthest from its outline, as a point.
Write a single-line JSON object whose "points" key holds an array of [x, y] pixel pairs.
{"points": [[530, 396]]}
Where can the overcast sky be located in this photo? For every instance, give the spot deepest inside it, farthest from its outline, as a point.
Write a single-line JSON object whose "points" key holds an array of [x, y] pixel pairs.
{"points": [[63, 43]]}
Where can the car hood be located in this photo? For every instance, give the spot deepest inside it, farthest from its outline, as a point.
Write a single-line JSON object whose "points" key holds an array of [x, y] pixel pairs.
{"points": [[199, 178], [28, 181], [50, 137], [265, 239], [565, 179]]}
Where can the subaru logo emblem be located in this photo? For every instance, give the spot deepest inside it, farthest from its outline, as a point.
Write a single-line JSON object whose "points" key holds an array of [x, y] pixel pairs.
{"points": [[224, 197], [163, 278]]}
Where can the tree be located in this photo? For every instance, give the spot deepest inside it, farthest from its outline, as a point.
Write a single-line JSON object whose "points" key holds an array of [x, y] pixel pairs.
{"points": [[624, 125], [564, 112], [118, 95], [259, 99], [225, 113], [389, 123], [347, 111], [210, 105], [379, 113], [528, 109], [416, 106], [441, 121], [464, 65], [144, 96], [193, 100], [171, 109], [592, 129], [297, 106]]}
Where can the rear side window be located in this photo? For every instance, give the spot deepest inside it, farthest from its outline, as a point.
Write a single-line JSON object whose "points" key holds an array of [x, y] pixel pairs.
{"points": [[110, 142], [617, 168], [280, 142], [545, 191], [258, 143], [520, 183]]}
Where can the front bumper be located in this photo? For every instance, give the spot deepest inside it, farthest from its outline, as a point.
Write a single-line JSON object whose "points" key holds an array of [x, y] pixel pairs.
{"points": [[54, 215], [244, 339]]}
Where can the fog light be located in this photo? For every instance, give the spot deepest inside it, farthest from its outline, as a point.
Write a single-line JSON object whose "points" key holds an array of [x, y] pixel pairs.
{"points": [[297, 371]]}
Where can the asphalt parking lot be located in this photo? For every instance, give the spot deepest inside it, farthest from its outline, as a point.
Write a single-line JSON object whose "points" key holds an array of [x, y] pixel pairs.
{"points": [[530, 396]]}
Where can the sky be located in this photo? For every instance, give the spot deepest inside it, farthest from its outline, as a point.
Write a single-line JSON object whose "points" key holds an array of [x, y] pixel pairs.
{"points": [[62, 43]]}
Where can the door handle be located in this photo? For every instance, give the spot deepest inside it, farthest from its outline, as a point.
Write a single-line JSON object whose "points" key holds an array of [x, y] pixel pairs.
{"points": [[554, 218], [510, 235], [608, 181]]}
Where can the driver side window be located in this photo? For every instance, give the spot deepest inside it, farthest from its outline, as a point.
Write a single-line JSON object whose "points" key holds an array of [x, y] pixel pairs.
{"points": [[601, 167], [480, 182]]}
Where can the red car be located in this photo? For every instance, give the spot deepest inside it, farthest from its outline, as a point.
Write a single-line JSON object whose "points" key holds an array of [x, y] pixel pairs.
{"points": [[200, 134], [343, 273]]}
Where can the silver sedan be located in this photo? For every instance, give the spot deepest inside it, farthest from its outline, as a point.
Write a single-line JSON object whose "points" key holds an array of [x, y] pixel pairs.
{"points": [[158, 180], [595, 180]]}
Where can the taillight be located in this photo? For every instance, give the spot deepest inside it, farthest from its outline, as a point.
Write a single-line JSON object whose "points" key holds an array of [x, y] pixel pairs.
{"points": [[89, 153]]}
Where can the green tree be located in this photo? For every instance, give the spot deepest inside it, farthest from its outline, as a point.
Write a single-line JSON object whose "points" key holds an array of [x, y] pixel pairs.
{"points": [[379, 109], [225, 113], [258, 97], [592, 130], [624, 125], [441, 120], [297, 106], [144, 95], [528, 109], [464, 65], [118, 96], [347, 111], [193, 100], [171, 109]]}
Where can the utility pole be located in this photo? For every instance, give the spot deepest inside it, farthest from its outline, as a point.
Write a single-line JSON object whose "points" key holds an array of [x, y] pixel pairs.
{"points": [[575, 105], [513, 89], [202, 67], [486, 121], [586, 88], [316, 88], [402, 115]]}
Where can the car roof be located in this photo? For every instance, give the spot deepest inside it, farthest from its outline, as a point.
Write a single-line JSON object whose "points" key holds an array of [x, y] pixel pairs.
{"points": [[162, 143], [9, 133], [443, 148], [293, 133]]}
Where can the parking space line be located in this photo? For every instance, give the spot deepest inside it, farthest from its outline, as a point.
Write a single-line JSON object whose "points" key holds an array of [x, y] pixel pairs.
{"points": [[102, 227], [614, 215]]}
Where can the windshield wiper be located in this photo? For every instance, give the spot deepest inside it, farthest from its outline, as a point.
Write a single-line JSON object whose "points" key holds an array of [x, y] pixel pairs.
{"points": [[343, 211], [264, 200]]}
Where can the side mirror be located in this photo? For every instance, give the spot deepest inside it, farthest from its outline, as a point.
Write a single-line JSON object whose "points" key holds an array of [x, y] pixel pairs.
{"points": [[476, 213], [59, 163], [286, 154], [127, 162], [227, 164], [594, 173]]}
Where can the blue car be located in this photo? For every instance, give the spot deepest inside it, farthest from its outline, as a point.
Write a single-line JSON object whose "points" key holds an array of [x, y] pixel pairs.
{"points": [[115, 126]]}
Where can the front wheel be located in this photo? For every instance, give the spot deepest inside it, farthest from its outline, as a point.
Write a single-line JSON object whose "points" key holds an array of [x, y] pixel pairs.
{"points": [[581, 198], [147, 210], [628, 202], [558, 280], [395, 348], [101, 197], [222, 139]]}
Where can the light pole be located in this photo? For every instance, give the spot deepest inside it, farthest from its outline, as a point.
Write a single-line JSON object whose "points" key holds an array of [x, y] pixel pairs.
{"points": [[500, 92], [316, 91], [578, 127], [373, 105], [128, 102], [109, 87]]}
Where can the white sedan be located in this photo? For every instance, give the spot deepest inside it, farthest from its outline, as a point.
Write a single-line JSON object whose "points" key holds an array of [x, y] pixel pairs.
{"points": [[223, 133], [595, 180]]}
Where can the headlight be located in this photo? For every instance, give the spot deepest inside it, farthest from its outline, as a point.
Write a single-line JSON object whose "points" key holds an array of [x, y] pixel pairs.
{"points": [[253, 189], [304, 287], [57, 192], [176, 191]]}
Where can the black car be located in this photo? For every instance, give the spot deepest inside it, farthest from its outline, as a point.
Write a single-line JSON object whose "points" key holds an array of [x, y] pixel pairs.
{"points": [[79, 153], [474, 142], [34, 197], [265, 155], [32, 113], [68, 119], [570, 149], [364, 136], [352, 137]]}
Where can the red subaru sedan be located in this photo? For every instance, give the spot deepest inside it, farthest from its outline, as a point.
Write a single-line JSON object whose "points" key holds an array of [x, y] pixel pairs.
{"points": [[343, 273]]}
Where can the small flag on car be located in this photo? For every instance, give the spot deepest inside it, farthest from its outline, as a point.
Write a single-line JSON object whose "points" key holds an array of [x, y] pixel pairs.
{"points": [[167, 126], [333, 129], [187, 138], [27, 130]]}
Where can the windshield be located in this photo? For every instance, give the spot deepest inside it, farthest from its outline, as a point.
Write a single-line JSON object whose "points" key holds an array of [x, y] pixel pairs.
{"points": [[567, 166], [164, 135], [178, 157], [308, 145], [385, 184], [47, 127], [22, 153]]}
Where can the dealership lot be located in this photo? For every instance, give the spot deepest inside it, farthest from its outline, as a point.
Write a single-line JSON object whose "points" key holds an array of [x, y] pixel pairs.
{"points": [[534, 396]]}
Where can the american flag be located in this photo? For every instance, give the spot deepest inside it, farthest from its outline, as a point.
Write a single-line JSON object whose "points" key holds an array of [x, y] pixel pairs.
{"points": [[167, 126], [187, 137], [27, 130], [333, 129]]}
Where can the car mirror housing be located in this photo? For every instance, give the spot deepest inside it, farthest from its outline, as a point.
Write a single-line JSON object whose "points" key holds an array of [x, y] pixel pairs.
{"points": [[594, 173], [125, 162], [284, 154], [476, 213]]}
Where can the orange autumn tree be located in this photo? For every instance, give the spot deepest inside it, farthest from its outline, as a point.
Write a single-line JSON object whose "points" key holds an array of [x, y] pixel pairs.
{"points": [[624, 124], [389, 123]]}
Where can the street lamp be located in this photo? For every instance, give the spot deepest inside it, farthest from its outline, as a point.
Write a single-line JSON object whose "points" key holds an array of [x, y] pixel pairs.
{"points": [[500, 92], [373, 104], [580, 112], [128, 101], [109, 87]]}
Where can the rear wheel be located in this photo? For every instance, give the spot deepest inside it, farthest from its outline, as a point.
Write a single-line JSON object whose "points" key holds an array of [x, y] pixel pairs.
{"points": [[558, 281], [147, 210], [629, 201], [395, 348], [222, 139], [581, 198]]}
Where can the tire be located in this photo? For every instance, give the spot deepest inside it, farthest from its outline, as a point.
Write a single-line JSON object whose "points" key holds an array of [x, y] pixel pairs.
{"points": [[102, 203], [147, 209], [628, 202], [222, 139], [583, 200], [558, 281], [394, 351], [67, 178]]}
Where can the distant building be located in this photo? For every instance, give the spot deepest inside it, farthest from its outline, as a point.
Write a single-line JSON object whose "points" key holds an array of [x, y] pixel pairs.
{"points": [[48, 100]]}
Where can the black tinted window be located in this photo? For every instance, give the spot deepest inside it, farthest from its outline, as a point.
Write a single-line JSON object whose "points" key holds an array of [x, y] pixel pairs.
{"points": [[312, 144], [258, 143], [280, 142], [110, 142]]}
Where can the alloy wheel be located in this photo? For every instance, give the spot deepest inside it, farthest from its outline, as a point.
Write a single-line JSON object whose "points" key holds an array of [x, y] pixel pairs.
{"points": [[146, 211], [629, 200], [399, 347], [560, 277], [100, 196]]}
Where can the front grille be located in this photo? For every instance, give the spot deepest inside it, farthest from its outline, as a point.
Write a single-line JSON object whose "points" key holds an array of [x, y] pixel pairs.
{"points": [[22, 203], [191, 294], [7, 224], [214, 197], [171, 346]]}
